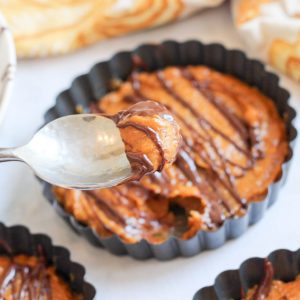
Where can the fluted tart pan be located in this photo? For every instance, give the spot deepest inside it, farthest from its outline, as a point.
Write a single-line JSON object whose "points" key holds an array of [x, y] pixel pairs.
{"points": [[88, 88], [234, 284], [21, 241]]}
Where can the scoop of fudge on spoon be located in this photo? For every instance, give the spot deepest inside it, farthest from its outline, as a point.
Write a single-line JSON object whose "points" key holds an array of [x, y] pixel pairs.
{"points": [[90, 151]]}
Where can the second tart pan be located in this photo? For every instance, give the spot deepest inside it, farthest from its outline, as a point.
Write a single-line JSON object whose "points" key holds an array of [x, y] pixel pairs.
{"points": [[234, 284], [88, 88], [21, 242]]}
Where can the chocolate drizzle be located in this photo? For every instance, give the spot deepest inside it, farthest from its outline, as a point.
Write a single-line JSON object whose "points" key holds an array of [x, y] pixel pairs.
{"points": [[25, 281], [203, 163], [203, 124], [264, 288], [107, 207], [237, 123], [217, 168]]}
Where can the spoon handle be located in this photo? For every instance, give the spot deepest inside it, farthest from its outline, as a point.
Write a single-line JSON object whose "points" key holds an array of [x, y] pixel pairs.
{"points": [[7, 154]]}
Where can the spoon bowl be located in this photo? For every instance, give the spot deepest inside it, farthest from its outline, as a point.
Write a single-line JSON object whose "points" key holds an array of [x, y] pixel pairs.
{"points": [[82, 151]]}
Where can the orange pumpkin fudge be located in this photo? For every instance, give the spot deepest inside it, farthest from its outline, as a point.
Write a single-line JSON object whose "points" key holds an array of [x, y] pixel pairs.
{"points": [[233, 146]]}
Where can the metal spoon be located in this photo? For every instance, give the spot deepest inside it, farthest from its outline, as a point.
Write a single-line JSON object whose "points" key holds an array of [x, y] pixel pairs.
{"points": [[82, 151]]}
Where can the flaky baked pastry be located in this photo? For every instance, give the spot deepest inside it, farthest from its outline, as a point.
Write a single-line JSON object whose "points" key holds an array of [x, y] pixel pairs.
{"points": [[51, 27], [272, 29]]}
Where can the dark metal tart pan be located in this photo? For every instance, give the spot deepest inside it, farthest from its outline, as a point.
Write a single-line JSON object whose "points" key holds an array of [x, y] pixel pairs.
{"points": [[234, 284], [88, 88], [21, 242]]}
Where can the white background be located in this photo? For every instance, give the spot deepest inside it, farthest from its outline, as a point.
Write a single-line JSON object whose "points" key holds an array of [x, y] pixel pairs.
{"points": [[21, 200]]}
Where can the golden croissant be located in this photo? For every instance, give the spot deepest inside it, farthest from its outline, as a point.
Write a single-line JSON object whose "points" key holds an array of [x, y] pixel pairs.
{"points": [[52, 27]]}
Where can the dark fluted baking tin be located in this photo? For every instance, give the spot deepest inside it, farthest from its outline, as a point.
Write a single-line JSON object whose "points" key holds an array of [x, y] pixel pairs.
{"points": [[89, 88], [21, 241], [233, 284]]}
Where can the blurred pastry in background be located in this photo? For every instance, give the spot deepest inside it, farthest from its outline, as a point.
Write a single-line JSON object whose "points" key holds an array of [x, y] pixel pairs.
{"points": [[272, 29], [52, 27]]}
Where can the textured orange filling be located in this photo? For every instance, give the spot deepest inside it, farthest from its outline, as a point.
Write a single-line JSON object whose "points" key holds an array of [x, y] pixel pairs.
{"points": [[234, 145]]}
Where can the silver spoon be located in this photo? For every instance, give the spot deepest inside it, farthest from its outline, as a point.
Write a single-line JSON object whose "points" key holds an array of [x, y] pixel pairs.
{"points": [[82, 151]]}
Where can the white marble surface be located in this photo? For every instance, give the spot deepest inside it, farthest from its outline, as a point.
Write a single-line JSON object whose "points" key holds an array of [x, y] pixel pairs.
{"points": [[37, 84]]}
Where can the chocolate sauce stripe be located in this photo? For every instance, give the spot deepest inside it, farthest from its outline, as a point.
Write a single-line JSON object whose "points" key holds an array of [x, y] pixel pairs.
{"points": [[231, 118], [224, 202], [192, 131], [107, 207], [203, 189], [209, 97], [91, 213], [264, 287], [137, 89]]}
